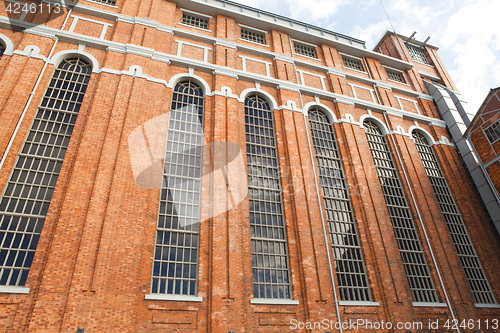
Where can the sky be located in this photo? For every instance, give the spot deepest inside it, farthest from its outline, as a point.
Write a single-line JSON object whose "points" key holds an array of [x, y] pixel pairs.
{"points": [[467, 32]]}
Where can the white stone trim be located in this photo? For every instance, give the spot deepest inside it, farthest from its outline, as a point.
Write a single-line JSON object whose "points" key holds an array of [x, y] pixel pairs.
{"points": [[244, 64], [323, 78], [196, 13], [358, 303], [58, 57], [371, 90], [271, 301], [206, 49], [9, 46], [14, 290], [429, 304], [178, 298], [399, 98], [77, 18], [329, 113], [266, 96]]}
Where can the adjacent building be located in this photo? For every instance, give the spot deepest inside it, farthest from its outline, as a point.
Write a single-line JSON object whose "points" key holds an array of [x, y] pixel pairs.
{"points": [[204, 166]]}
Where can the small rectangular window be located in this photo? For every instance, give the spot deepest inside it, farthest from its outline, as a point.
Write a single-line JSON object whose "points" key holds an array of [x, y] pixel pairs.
{"points": [[493, 132], [353, 63], [417, 54], [194, 20], [253, 35], [305, 50], [106, 2], [395, 75]]}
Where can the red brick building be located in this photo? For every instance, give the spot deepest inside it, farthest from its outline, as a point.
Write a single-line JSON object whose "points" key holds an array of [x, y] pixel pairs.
{"points": [[202, 166], [482, 136]]}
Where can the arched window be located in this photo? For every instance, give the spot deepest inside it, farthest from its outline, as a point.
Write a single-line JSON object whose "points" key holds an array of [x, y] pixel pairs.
{"points": [[347, 252], [26, 200], [2, 48], [474, 273], [270, 267], [175, 266], [410, 248]]}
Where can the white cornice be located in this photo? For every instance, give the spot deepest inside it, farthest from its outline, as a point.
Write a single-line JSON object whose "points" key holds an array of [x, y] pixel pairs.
{"points": [[42, 30]]}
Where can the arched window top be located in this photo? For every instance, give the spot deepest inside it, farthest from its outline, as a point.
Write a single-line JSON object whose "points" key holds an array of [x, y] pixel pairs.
{"points": [[188, 87], [371, 127], [318, 114], [421, 138], [257, 102], [75, 65]]}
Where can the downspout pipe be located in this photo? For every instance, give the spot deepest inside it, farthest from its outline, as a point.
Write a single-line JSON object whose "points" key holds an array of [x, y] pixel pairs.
{"points": [[441, 282], [328, 247], [32, 94]]}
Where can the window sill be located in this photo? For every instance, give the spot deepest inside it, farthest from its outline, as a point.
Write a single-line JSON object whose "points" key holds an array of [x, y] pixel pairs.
{"points": [[250, 41], [427, 304], [358, 303], [355, 70], [14, 290], [179, 298], [493, 306], [192, 26], [273, 301]]}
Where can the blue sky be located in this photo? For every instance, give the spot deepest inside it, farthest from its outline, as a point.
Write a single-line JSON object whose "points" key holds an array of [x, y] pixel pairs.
{"points": [[467, 32]]}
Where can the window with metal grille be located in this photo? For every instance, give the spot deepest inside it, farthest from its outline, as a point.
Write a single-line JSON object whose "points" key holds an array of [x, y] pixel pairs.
{"points": [[417, 54], [253, 36], [26, 199], [270, 267], [493, 132], [2, 49], [106, 2], [410, 248], [394, 75], [305, 50], [175, 264], [346, 246], [463, 245], [195, 20], [352, 63]]}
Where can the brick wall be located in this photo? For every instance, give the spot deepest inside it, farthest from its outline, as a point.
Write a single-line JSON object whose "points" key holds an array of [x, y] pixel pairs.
{"points": [[93, 264]]}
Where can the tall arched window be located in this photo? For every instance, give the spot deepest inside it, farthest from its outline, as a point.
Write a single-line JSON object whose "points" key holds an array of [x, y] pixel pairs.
{"points": [[410, 248], [175, 266], [347, 252], [474, 273], [270, 267], [27, 196]]}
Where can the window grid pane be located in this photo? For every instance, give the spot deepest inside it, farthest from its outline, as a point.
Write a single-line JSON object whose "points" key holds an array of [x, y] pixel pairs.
{"points": [[253, 36], [2, 49], [175, 264], [353, 63], [270, 267], [417, 54], [412, 254], [26, 199], [463, 245], [195, 21], [106, 2], [305, 50], [493, 132], [346, 246], [395, 75]]}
